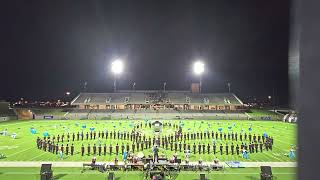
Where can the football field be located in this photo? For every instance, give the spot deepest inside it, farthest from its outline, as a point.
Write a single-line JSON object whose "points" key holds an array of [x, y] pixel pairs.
{"points": [[75, 173], [23, 147]]}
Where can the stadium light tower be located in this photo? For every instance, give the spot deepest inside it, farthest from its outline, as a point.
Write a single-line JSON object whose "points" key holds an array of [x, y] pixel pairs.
{"points": [[117, 69], [198, 69]]}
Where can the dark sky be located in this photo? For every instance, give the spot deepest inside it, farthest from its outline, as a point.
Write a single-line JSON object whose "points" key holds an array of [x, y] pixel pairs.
{"points": [[50, 47]]}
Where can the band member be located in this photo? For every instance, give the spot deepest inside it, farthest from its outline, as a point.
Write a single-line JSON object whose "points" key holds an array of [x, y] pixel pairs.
{"points": [[44, 145], [232, 148], [117, 149], [241, 137], [82, 136], [256, 147], [194, 148], [220, 135], [199, 148], [128, 147], [221, 149], [62, 148], [73, 136], [94, 135], [72, 149], [78, 135], [62, 137], [236, 136], [67, 149], [88, 149], [82, 150], [232, 136], [87, 136], [203, 148], [138, 146], [99, 134], [208, 147], [94, 149], [237, 149], [57, 148], [110, 148], [189, 147], [171, 146], [155, 154], [175, 147], [141, 144], [133, 146], [104, 149], [180, 146], [53, 148], [261, 146], [224, 136], [102, 134], [122, 148], [214, 148], [227, 149], [228, 136], [245, 136], [250, 137], [58, 138]]}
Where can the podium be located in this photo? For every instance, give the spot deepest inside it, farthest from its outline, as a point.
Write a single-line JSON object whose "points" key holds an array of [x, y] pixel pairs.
{"points": [[266, 173], [46, 172]]}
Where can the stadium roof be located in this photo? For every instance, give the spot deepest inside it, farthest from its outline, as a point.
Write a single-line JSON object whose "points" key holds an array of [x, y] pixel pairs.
{"points": [[156, 97]]}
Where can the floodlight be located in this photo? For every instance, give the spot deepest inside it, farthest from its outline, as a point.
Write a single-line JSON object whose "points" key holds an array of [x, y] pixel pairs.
{"points": [[117, 66], [198, 67]]}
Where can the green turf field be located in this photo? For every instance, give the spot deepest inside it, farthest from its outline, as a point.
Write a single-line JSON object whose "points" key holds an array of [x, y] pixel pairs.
{"points": [[75, 173], [23, 148]]}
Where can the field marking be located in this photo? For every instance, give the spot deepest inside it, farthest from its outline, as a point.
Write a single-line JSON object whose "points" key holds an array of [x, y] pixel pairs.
{"points": [[38, 156], [79, 164], [140, 172], [19, 152]]}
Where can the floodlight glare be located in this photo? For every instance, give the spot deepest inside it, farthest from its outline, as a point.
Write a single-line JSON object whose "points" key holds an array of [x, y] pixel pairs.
{"points": [[117, 66], [198, 67]]}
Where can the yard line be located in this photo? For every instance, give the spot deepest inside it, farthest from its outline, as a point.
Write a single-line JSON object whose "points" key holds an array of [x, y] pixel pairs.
{"points": [[19, 152], [38, 156], [138, 172]]}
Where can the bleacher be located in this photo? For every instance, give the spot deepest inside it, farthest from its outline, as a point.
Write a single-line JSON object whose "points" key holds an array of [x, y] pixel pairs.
{"points": [[6, 112]]}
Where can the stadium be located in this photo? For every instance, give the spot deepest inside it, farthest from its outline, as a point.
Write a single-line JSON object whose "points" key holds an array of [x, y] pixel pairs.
{"points": [[196, 133], [150, 90]]}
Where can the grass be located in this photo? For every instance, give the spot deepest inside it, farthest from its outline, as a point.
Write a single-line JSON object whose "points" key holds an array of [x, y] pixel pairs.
{"points": [[74, 173], [23, 148]]}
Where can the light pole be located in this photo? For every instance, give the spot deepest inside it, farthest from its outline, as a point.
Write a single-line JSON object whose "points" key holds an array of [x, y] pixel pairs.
{"points": [[229, 86], [116, 68], [198, 69]]}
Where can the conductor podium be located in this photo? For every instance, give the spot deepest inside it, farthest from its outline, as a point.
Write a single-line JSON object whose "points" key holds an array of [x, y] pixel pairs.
{"points": [[45, 172], [266, 173]]}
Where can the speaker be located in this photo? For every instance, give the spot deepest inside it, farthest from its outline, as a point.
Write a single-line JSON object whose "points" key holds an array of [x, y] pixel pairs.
{"points": [[179, 161], [266, 173], [46, 172], [202, 177], [111, 176]]}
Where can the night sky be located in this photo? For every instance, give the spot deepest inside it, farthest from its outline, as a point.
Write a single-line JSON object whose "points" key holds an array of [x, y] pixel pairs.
{"points": [[50, 47]]}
